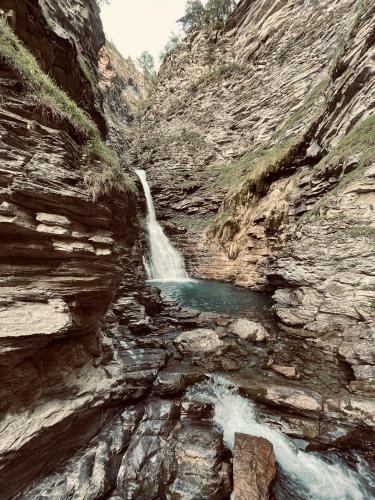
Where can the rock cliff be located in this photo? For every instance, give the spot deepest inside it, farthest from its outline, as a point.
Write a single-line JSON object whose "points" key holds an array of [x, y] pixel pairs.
{"points": [[259, 142], [63, 254]]}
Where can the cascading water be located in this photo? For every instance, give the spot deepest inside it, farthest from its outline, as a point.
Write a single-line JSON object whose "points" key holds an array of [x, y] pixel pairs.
{"points": [[307, 476], [165, 263]]}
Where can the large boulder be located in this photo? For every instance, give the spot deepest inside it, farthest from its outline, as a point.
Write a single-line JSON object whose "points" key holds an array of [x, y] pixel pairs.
{"points": [[254, 467], [200, 341], [249, 330]]}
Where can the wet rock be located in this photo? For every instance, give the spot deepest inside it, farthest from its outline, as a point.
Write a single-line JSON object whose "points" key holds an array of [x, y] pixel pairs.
{"points": [[91, 473], [193, 409], [168, 457], [202, 471], [200, 341], [287, 371], [173, 383], [228, 365], [249, 330], [254, 467], [297, 398]]}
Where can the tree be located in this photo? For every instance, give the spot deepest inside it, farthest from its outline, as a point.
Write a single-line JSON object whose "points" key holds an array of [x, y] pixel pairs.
{"points": [[217, 12], [173, 41], [194, 14], [147, 63], [213, 16]]}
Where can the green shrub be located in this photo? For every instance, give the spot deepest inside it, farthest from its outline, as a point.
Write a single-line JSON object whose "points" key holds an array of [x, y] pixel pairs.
{"points": [[362, 232], [101, 167], [222, 220], [360, 140], [312, 101]]}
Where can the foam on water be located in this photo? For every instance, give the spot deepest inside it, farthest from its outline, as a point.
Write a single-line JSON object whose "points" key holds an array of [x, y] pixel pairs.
{"points": [[308, 475]]}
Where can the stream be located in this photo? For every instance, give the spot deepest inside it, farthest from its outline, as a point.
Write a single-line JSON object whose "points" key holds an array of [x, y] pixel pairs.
{"points": [[334, 475], [303, 476]]}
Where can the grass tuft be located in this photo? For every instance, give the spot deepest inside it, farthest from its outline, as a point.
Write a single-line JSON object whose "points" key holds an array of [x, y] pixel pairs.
{"points": [[217, 73], [102, 171], [251, 174]]}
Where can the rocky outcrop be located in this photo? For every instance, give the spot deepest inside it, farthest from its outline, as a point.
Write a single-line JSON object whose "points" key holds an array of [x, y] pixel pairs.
{"points": [[265, 131], [125, 90], [222, 96], [63, 256], [65, 37], [254, 467], [152, 450]]}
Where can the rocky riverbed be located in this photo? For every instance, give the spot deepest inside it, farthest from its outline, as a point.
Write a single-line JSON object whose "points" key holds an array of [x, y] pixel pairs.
{"points": [[165, 442]]}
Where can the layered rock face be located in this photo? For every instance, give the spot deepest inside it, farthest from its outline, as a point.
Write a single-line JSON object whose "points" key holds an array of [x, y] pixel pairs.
{"points": [[125, 90], [270, 124], [62, 256]]}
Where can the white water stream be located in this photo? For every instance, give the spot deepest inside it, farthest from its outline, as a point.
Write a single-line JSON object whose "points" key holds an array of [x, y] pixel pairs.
{"points": [[307, 475], [164, 263]]}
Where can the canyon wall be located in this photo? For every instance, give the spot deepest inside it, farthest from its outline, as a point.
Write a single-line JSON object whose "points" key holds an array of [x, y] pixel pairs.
{"points": [[259, 143], [64, 254]]}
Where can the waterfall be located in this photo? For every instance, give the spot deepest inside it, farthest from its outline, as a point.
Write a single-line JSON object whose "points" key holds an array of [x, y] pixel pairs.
{"points": [[307, 476], [164, 261]]}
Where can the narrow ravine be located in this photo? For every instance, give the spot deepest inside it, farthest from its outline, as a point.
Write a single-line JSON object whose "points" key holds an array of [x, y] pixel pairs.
{"points": [[187, 264]]}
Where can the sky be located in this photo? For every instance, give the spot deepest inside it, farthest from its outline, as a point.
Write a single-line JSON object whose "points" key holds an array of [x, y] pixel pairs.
{"points": [[138, 25]]}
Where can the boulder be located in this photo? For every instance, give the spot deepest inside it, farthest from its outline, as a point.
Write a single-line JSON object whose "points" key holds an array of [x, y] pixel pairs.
{"points": [[249, 330], [296, 398], [198, 341], [254, 467]]}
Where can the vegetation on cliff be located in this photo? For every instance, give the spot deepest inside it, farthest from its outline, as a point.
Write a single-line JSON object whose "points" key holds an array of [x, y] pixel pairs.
{"points": [[213, 15], [102, 171]]}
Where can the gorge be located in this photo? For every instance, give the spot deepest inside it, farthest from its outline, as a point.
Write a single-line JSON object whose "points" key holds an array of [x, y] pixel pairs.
{"points": [[187, 286]]}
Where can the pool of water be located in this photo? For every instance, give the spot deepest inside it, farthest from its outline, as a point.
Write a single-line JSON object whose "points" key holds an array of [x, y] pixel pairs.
{"points": [[215, 296]]}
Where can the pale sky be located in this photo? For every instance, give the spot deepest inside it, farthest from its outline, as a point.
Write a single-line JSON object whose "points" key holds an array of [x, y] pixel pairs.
{"points": [[138, 25]]}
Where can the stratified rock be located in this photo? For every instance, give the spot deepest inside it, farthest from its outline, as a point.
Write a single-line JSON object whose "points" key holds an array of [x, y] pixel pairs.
{"points": [[249, 330], [63, 256], [200, 341], [172, 458], [254, 467], [287, 371], [297, 398], [305, 229]]}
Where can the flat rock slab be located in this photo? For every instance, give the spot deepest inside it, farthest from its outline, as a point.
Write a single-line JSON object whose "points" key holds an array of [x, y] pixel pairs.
{"points": [[287, 371], [198, 341], [297, 398], [254, 467], [26, 319], [249, 330]]}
